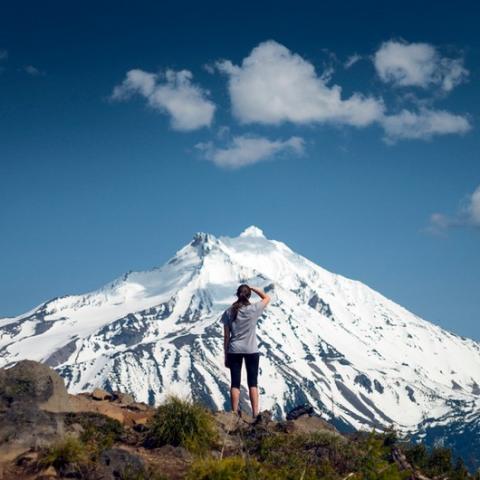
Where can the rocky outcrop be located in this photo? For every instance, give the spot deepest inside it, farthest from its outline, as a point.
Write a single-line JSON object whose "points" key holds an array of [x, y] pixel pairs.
{"points": [[35, 384], [36, 412], [99, 394], [34, 403], [31, 397]]}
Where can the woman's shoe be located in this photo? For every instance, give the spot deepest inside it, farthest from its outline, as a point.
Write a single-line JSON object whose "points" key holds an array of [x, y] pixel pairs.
{"points": [[263, 418]]}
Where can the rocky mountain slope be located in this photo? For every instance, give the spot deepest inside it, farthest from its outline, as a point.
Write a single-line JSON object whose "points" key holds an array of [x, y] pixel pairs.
{"points": [[359, 358], [48, 434]]}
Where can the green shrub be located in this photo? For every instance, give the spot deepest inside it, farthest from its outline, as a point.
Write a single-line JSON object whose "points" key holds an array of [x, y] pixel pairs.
{"points": [[440, 461], [374, 459], [417, 455], [391, 436], [437, 461], [68, 451], [460, 471], [182, 423], [320, 454], [134, 474], [230, 468], [99, 431]]}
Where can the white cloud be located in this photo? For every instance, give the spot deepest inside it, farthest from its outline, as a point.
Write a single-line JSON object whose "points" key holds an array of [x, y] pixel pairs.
{"points": [[419, 65], [33, 71], [422, 125], [274, 85], [352, 60], [173, 93], [246, 150], [467, 215]]}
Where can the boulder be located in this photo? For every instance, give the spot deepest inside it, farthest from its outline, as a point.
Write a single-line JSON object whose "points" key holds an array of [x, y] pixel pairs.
{"points": [[34, 383], [140, 424], [25, 426], [310, 424], [300, 410], [123, 398], [47, 474], [27, 459], [118, 463], [32, 399], [99, 394]]}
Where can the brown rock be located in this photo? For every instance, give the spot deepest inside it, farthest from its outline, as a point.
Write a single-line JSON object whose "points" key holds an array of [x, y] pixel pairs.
{"points": [[27, 459], [99, 394], [123, 398], [123, 413], [141, 420], [47, 474], [140, 406], [310, 424], [114, 463]]}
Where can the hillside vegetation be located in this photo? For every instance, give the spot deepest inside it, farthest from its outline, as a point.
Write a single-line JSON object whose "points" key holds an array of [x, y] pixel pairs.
{"points": [[47, 434]]}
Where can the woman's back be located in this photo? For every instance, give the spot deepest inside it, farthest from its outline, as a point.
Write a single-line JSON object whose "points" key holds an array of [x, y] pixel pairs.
{"points": [[243, 333]]}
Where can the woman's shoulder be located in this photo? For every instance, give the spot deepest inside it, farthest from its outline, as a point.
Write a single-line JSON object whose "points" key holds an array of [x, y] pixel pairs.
{"points": [[226, 316]]}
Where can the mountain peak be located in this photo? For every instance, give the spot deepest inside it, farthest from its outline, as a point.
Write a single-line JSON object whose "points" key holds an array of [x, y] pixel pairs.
{"points": [[201, 238], [252, 231]]}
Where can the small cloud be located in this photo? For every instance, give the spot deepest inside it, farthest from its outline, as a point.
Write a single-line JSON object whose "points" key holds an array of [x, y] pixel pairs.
{"points": [[274, 85], [172, 93], [422, 125], [247, 150], [33, 71], [209, 68], [352, 60], [3, 54], [467, 215], [405, 64]]}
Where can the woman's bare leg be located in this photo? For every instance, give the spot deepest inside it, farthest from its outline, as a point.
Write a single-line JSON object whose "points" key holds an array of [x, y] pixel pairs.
{"points": [[254, 400], [234, 398]]}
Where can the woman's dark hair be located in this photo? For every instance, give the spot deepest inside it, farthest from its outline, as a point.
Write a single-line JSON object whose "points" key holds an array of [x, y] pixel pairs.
{"points": [[243, 294]]}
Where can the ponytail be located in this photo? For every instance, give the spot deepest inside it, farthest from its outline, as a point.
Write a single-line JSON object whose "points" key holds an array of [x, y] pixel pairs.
{"points": [[243, 294]]}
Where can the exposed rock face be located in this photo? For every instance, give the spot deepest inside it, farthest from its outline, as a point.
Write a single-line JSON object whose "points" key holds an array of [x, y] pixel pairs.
{"points": [[33, 405], [119, 463], [31, 396], [33, 383]]}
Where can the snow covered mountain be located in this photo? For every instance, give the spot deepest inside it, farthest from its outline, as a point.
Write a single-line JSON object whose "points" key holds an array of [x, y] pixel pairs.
{"points": [[360, 358]]}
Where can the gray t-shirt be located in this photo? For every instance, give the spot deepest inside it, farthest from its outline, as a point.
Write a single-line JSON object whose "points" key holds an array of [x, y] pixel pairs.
{"points": [[243, 332]]}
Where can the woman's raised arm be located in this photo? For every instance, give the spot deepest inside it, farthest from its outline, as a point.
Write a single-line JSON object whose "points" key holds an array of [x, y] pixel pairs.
{"points": [[265, 298]]}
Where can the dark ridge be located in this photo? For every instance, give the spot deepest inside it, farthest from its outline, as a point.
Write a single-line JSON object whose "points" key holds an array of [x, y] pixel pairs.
{"points": [[62, 354]]}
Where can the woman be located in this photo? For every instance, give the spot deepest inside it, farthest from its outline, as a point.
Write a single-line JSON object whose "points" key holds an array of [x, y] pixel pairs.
{"points": [[240, 342]]}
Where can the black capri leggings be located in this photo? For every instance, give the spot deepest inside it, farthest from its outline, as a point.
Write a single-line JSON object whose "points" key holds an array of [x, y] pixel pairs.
{"points": [[235, 364]]}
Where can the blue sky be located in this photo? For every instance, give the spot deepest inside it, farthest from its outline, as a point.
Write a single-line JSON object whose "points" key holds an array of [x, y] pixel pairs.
{"points": [[349, 133]]}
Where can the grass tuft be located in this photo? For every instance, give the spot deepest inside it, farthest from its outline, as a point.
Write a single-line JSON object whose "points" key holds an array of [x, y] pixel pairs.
{"points": [[231, 468], [182, 423], [67, 451]]}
